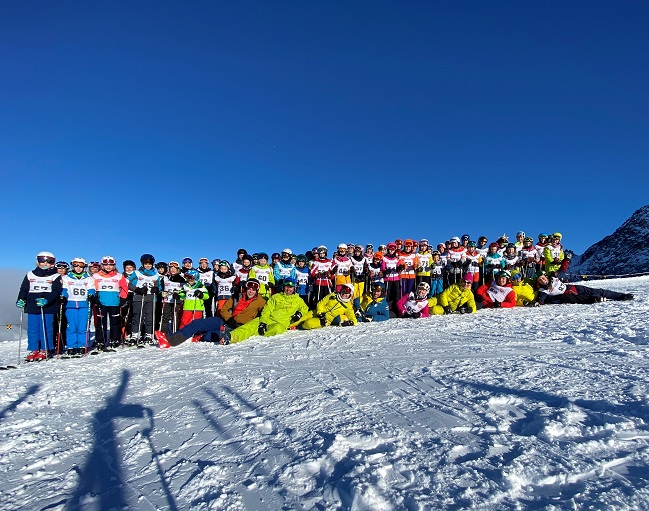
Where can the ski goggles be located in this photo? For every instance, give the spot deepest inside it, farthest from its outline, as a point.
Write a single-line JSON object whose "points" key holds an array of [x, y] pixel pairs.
{"points": [[252, 285], [45, 259], [108, 260], [174, 264], [289, 283], [78, 265], [203, 260], [187, 260]]}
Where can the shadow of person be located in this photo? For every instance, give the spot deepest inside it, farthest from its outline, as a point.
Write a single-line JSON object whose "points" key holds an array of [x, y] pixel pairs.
{"points": [[101, 480], [12, 406]]}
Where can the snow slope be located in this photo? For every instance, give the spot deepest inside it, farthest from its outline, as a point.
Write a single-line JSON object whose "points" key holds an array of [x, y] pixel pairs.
{"points": [[543, 408]]}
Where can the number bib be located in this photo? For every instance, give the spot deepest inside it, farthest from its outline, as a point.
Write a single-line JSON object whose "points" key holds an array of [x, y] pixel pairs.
{"points": [[77, 288], [41, 284], [107, 283]]}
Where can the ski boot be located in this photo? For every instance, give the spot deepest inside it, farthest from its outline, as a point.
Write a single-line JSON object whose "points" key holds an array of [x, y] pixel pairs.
{"points": [[162, 339]]}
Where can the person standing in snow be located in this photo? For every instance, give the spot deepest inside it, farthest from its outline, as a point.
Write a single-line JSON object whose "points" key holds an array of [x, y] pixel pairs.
{"points": [[284, 268], [145, 285], [193, 294], [553, 254], [171, 303], [39, 296], [78, 286], [264, 274], [206, 277], [111, 290]]}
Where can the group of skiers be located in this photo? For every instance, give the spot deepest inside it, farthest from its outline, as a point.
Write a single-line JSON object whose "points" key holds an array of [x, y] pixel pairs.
{"points": [[78, 308]]}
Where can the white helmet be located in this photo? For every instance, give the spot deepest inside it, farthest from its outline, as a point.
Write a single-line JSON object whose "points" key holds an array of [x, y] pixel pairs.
{"points": [[424, 285], [455, 239], [342, 246], [348, 286], [46, 254], [79, 260], [287, 251]]}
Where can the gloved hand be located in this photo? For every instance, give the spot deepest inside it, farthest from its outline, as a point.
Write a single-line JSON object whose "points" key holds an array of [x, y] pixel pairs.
{"points": [[447, 310], [536, 304], [21, 303], [92, 299], [141, 290], [323, 320], [41, 302], [198, 294], [496, 304], [165, 294], [347, 322], [123, 302], [526, 303], [358, 314], [296, 317], [368, 319], [62, 299], [262, 328], [232, 323], [415, 315], [464, 309], [175, 295]]}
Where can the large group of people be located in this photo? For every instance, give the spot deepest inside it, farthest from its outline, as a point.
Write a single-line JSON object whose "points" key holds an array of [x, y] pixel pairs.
{"points": [[79, 307]]}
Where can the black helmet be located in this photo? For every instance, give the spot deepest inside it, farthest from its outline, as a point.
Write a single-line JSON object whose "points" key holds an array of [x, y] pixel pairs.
{"points": [[128, 262], [147, 258], [161, 264]]}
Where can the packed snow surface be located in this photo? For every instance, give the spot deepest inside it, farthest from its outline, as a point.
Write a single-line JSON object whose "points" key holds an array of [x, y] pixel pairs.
{"points": [[543, 408]]}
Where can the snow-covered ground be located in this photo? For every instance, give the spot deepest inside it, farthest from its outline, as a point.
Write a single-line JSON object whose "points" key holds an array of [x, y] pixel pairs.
{"points": [[543, 408]]}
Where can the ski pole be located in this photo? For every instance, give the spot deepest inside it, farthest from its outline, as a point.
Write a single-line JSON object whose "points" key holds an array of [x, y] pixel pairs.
{"points": [[173, 327], [20, 335], [139, 323], [45, 343], [58, 335], [88, 328]]}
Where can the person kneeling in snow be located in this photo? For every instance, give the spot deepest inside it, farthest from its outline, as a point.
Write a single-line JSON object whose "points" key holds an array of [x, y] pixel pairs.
{"points": [[525, 294], [415, 304], [334, 309], [552, 290], [235, 313], [498, 294], [375, 307]]}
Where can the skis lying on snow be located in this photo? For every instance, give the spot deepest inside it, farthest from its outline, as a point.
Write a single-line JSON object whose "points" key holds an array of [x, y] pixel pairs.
{"points": [[7, 367]]}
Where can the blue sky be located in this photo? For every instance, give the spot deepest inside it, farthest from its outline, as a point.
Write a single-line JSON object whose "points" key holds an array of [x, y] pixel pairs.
{"points": [[197, 128]]}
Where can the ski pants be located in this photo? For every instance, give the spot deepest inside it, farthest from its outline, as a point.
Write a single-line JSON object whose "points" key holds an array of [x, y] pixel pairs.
{"points": [[78, 320], [407, 286], [171, 312], [392, 290], [109, 322], [189, 316], [587, 294], [211, 327], [142, 322], [36, 338], [251, 327], [436, 286]]}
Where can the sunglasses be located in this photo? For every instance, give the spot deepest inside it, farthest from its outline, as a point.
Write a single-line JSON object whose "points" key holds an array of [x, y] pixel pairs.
{"points": [[466, 283], [45, 259]]}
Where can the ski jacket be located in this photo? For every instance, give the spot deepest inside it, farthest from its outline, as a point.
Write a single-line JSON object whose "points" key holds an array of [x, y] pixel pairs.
{"points": [[376, 271], [359, 268], [264, 274], [524, 293], [40, 283], [456, 256], [110, 287], [505, 295], [553, 255], [144, 278], [378, 310], [242, 309], [410, 304], [242, 274], [280, 308], [223, 284], [342, 268], [455, 296], [408, 263], [333, 307], [425, 262], [321, 272], [76, 289], [171, 284], [302, 277], [206, 276], [390, 272], [472, 262], [192, 303], [283, 270], [554, 288]]}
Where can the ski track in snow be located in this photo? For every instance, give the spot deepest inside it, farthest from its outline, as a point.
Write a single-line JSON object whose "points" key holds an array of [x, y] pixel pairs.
{"points": [[543, 408]]}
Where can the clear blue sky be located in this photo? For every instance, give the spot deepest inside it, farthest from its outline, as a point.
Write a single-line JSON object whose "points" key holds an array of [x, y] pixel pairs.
{"points": [[197, 128]]}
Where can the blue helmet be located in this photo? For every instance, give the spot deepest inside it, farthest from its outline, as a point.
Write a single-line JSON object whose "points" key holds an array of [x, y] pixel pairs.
{"points": [[192, 273], [290, 281]]}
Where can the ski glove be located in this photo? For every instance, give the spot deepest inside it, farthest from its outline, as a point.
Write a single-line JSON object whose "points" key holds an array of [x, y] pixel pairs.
{"points": [[262, 328], [141, 290], [447, 310], [415, 315], [497, 304], [347, 322], [198, 294], [92, 299], [21, 303], [41, 302], [296, 317], [232, 323], [323, 320], [464, 309]]}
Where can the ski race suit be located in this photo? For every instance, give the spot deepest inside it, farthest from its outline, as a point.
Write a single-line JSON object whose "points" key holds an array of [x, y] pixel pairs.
{"points": [[331, 310]]}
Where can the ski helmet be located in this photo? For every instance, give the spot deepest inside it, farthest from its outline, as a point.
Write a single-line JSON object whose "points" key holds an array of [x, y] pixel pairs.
{"points": [[471, 244], [203, 260], [504, 273], [108, 260], [348, 290], [128, 262], [301, 258], [455, 239], [557, 235], [79, 260], [147, 258], [392, 246], [246, 257], [528, 239], [242, 252], [262, 255], [408, 243], [542, 235], [493, 244], [252, 283], [520, 234], [187, 260], [62, 265], [378, 285], [223, 262], [342, 246], [289, 281], [425, 286], [46, 257], [276, 255], [378, 256], [161, 264], [466, 237], [191, 273]]}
